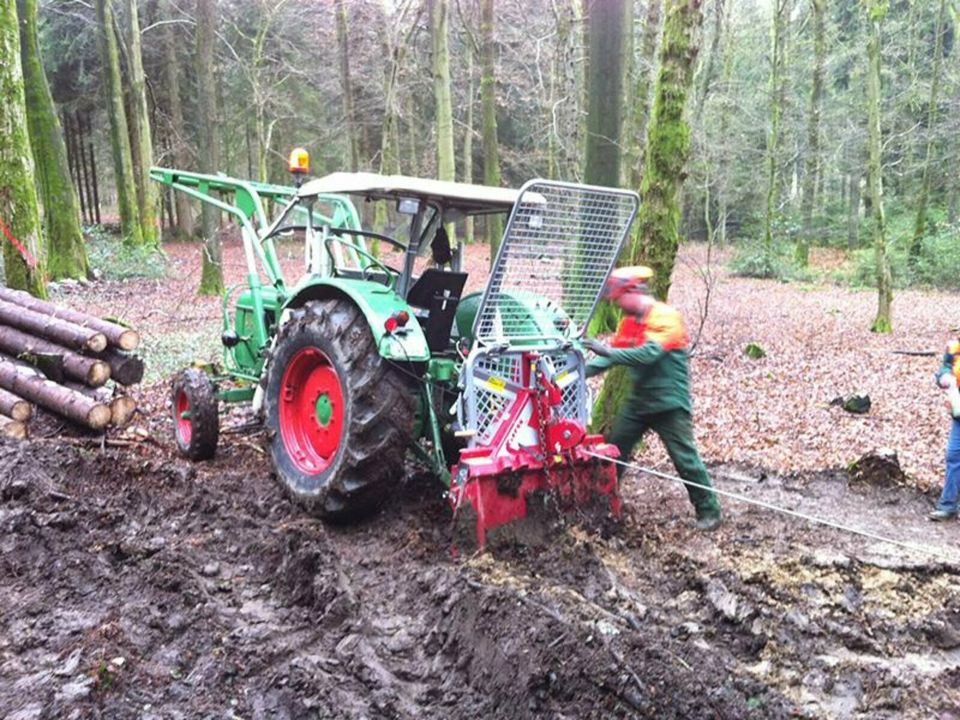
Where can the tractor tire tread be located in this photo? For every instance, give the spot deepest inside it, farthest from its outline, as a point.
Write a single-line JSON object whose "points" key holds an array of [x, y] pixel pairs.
{"points": [[379, 420], [204, 414]]}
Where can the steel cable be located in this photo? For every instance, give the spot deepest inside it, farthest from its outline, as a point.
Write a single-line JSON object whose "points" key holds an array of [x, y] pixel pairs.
{"points": [[941, 553]]}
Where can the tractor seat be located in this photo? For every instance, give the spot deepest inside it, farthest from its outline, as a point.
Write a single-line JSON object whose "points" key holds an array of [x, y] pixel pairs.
{"points": [[436, 294]]}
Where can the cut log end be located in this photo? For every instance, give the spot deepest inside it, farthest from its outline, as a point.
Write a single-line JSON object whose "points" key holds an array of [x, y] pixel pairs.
{"points": [[13, 428], [97, 343], [21, 411], [129, 340], [122, 408], [98, 374], [99, 417]]}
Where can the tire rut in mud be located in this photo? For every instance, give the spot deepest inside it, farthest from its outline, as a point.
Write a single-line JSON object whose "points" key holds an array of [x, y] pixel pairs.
{"points": [[141, 587]]}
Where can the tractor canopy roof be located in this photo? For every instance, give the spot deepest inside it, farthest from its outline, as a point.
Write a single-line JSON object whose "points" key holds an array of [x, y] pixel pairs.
{"points": [[452, 197]]}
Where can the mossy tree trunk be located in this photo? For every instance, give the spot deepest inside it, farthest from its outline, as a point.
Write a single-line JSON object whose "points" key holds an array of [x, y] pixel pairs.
{"points": [[781, 17], [883, 323], [119, 130], [853, 211], [440, 30], [468, 135], [636, 133], [148, 194], [668, 144], [667, 149], [920, 224], [346, 84], [181, 155], [211, 277], [710, 61], [19, 211], [812, 160], [65, 252], [488, 111]]}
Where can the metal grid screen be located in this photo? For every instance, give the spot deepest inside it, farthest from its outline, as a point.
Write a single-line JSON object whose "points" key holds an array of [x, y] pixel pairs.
{"points": [[493, 383], [559, 246]]}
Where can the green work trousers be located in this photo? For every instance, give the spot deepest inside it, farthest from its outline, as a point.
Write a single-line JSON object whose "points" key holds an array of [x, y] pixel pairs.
{"points": [[675, 428]]}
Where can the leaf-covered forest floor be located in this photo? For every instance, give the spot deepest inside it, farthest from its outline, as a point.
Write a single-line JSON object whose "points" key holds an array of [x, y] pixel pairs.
{"points": [[137, 584], [772, 413]]}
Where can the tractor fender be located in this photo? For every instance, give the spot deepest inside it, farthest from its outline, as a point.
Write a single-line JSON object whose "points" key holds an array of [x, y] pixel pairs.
{"points": [[377, 303]]}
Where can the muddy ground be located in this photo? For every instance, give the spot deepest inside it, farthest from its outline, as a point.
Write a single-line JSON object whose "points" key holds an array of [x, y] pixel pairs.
{"points": [[137, 585], [134, 584]]}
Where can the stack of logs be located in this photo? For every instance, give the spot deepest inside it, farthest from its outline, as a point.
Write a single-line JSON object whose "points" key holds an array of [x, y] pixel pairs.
{"points": [[60, 359]]}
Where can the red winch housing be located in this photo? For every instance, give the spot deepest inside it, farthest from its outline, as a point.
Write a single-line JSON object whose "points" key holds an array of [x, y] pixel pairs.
{"points": [[534, 451]]}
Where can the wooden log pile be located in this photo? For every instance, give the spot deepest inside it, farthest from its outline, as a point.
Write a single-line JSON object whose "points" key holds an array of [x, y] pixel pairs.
{"points": [[61, 359]]}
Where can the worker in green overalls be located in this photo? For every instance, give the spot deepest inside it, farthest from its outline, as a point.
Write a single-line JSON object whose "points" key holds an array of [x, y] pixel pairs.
{"points": [[652, 341]]}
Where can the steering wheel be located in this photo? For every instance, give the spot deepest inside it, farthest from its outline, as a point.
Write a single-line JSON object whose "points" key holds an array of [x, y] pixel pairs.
{"points": [[375, 262]]}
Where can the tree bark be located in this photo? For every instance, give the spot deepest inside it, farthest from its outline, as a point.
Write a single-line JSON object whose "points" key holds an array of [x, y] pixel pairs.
{"points": [[94, 183], [668, 146], [639, 109], [812, 160], [51, 328], [13, 407], [119, 129], [394, 47], [87, 370], [488, 112], [122, 407], [883, 323], [853, 212], [781, 17], [920, 224], [468, 138], [211, 279], [148, 197], [56, 398], [346, 85], [439, 23], [181, 156], [124, 369], [117, 335], [19, 211], [87, 170], [66, 255], [710, 61], [73, 164], [605, 88]]}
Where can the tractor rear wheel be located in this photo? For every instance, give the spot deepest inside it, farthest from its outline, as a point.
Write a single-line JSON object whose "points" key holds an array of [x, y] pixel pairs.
{"points": [[196, 420], [339, 416]]}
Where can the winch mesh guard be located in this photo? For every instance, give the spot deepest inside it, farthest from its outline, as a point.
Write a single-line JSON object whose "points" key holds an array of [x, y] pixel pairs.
{"points": [[560, 243]]}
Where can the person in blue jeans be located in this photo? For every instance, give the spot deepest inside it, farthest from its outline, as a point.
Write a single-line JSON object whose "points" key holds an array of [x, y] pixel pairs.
{"points": [[947, 377]]}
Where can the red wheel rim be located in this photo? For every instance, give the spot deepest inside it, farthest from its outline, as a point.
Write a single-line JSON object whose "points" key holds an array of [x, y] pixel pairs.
{"points": [[311, 411], [182, 418]]}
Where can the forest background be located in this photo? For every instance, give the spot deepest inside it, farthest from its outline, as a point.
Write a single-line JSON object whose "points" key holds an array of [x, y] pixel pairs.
{"points": [[774, 125]]}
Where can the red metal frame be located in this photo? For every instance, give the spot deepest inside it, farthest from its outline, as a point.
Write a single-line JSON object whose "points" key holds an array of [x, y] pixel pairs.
{"points": [[497, 479]]}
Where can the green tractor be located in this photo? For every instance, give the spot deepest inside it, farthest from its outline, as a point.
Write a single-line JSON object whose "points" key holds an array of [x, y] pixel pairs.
{"points": [[377, 350]]}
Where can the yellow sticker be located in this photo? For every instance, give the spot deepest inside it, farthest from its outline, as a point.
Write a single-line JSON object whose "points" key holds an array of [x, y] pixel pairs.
{"points": [[496, 383], [561, 376]]}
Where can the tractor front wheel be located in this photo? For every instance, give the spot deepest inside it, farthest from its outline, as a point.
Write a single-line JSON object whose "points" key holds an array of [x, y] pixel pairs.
{"points": [[339, 416], [196, 421]]}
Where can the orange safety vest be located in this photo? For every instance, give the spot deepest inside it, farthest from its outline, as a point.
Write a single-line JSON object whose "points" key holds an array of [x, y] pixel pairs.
{"points": [[662, 324]]}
